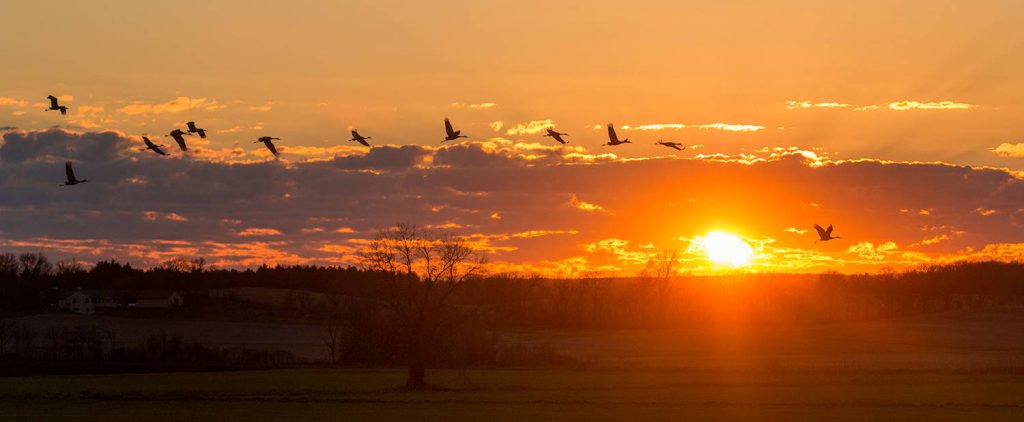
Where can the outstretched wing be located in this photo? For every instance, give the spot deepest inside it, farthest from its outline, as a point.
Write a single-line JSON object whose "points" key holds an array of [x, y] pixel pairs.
{"points": [[611, 134], [448, 127], [148, 143], [70, 172], [191, 126], [181, 142], [355, 135], [202, 133], [821, 232], [363, 141], [828, 231], [53, 102], [63, 111], [270, 146]]}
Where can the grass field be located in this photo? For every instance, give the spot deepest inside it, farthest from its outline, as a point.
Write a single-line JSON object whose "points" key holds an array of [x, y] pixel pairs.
{"points": [[344, 394], [952, 367]]}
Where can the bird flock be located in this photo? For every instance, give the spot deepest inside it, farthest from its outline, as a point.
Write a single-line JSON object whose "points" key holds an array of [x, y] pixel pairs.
{"points": [[451, 134]]}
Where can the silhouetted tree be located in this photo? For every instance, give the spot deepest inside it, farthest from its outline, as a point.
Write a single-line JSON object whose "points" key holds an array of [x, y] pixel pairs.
{"points": [[34, 265], [422, 269]]}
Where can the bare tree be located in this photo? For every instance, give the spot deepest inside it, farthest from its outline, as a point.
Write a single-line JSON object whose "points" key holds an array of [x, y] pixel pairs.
{"points": [[9, 265], [34, 265], [331, 335], [422, 268], [71, 266]]}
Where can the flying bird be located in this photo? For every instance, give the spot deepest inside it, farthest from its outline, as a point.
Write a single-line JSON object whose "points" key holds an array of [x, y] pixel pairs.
{"points": [[179, 137], [360, 138], [613, 139], [56, 106], [71, 176], [193, 129], [151, 146], [674, 145], [557, 136], [268, 141], [450, 132], [824, 235]]}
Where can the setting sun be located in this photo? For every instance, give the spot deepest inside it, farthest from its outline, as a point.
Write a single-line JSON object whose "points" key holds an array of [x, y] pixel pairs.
{"points": [[726, 248]]}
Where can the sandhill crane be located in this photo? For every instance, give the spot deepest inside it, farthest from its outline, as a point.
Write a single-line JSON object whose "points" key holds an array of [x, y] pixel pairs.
{"points": [[557, 136], [450, 133], [193, 129], [268, 141], [824, 235], [360, 138], [613, 139], [179, 137], [674, 145], [151, 146], [71, 176], [56, 106]]}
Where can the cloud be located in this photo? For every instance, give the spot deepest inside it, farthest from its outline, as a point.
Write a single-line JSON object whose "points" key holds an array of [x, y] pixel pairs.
{"points": [[530, 128], [263, 107], [474, 105], [176, 105], [1010, 150], [257, 231], [809, 104], [575, 202], [936, 105], [533, 207], [8, 101], [496, 126], [728, 127]]}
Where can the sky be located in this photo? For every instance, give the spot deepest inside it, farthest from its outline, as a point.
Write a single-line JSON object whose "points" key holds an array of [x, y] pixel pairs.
{"points": [[895, 121]]}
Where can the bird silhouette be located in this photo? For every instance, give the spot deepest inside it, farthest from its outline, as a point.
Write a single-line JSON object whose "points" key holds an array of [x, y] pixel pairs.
{"points": [[268, 141], [557, 136], [151, 146], [824, 235], [193, 129], [56, 106], [674, 145], [71, 176], [179, 137], [450, 133], [613, 139], [360, 138]]}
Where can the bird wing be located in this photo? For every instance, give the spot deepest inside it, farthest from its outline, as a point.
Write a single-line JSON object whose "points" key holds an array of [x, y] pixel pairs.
{"points": [[355, 135], [53, 101], [181, 143], [202, 133], [828, 231], [821, 231], [611, 134], [148, 143], [270, 146], [448, 127], [363, 141], [191, 126], [64, 110], [70, 172]]}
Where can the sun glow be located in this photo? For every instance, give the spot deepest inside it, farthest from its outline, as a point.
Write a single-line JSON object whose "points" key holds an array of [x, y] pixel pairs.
{"points": [[725, 248]]}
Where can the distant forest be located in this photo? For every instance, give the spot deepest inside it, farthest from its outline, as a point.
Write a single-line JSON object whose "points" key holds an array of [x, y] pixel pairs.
{"points": [[30, 282]]}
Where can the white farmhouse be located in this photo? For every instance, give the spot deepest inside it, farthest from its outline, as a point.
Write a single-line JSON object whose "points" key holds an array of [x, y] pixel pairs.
{"points": [[78, 302]]}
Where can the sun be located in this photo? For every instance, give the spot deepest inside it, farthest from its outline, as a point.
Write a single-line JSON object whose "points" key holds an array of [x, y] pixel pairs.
{"points": [[726, 249]]}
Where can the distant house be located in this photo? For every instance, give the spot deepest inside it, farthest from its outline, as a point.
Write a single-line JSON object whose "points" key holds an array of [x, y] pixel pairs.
{"points": [[78, 302], [156, 299]]}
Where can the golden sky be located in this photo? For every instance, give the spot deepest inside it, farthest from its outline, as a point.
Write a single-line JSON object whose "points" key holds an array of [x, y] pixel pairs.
{"points": [[859, 114]]}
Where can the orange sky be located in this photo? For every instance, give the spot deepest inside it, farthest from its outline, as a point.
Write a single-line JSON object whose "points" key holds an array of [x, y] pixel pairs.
{"points": [[795, 112]]}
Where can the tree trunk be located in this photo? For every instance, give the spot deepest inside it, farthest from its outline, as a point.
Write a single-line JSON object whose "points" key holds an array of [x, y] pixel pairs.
{"points": [[416, 378]]}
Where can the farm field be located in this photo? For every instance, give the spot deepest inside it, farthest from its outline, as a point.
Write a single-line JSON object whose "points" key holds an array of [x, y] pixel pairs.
{"points": [[339, 394]]}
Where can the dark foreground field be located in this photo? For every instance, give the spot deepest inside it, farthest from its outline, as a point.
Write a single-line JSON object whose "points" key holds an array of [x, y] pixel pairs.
{"points": [[949, 366], [346, 394]]}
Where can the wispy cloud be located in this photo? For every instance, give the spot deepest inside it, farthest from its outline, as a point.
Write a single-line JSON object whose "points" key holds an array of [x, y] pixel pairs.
{"points": [[474, 105], [257, 231], [792, 105], [8, 101], [176, 105], [794, 230], [575, 202], [531, 127], [728, 127], [263, 107], [937, 105]]}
